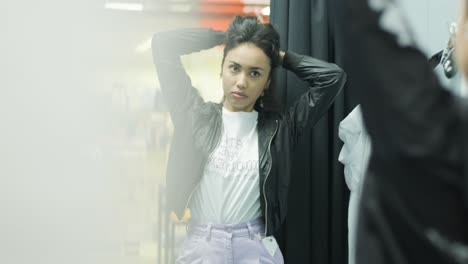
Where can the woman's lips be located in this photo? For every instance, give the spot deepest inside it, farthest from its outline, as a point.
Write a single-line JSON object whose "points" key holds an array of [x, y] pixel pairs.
{"points": [[239, 95]]}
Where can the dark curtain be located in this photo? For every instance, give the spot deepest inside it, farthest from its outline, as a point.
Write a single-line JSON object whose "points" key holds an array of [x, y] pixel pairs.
{"points": [[315, 230]]}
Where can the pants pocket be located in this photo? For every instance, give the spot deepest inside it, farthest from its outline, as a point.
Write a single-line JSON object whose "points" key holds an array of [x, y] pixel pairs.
{"points": [[191, 251], [267, 258]]}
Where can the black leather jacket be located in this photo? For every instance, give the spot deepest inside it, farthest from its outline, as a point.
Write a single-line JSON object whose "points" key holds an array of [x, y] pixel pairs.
{"points": [[198, 125], [414, 205]]}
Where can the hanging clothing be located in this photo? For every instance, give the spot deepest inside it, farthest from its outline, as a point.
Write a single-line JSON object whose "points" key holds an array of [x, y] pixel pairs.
{"points": [[354, 155], [414, 206]]}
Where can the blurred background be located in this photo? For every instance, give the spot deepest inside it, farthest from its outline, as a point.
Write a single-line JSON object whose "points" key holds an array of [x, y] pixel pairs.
{"points": [[84, 135]]}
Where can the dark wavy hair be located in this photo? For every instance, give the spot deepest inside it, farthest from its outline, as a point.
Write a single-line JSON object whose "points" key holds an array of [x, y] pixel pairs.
{"points": [[247, 29]]}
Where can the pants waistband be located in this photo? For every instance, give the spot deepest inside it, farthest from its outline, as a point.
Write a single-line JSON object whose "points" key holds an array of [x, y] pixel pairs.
{"points": [[252, 229]]}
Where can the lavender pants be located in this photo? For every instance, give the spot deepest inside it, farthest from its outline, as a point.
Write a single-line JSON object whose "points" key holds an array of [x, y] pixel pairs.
{"points": [[227, 244]]}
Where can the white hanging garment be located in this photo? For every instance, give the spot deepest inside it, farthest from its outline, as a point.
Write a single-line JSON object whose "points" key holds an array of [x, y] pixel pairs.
{"points": [[355, 157]]}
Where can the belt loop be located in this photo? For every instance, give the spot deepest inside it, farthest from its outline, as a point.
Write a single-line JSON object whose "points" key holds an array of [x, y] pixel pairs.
{"points": [[251, 230], [208, 230]]}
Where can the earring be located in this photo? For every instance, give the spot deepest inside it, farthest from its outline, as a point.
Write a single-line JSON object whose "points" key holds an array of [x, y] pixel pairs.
{"points": [[262, 97]]}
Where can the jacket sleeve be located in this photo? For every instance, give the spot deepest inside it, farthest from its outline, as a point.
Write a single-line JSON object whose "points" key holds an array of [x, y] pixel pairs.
{"points": [[406, 110], [325, 80], [176, 85]]}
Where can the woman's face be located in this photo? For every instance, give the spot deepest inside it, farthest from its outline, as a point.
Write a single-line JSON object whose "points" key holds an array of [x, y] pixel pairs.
{"points": [[461, 46], [246, 72]]}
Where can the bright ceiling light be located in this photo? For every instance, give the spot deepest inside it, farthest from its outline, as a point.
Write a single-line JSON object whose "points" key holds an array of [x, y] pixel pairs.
{"points": [[181, 8], [124, 6], [266, 11], [256, 2]]}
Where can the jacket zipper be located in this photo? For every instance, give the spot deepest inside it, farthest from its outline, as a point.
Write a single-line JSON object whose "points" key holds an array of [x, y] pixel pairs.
{"points": [[209, 157], [266, 177]]}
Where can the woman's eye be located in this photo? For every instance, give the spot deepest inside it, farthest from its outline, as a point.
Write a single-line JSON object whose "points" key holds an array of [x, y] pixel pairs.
{"points": [[234, 68], [255, 74]]}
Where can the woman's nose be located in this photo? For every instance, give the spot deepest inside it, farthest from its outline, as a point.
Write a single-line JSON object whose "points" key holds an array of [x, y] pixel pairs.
{"points": [[241, 81]]}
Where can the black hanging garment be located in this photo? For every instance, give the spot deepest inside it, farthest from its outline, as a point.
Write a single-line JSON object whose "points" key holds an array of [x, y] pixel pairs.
{"points": [[414, 204]]}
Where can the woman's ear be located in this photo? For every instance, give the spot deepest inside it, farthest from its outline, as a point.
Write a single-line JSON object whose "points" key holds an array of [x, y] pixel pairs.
{"points": [[267, 84]]}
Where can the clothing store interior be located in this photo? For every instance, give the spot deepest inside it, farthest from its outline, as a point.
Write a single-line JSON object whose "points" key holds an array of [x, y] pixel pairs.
{"points": [[90, 135]]}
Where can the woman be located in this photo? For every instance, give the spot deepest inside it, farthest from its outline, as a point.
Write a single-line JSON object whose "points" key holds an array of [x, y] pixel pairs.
{"points": [[230, 163], [414, 207]]}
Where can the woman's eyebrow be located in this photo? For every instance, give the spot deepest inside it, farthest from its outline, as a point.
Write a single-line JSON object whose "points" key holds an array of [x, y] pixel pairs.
{"points": [[252, 68]]}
